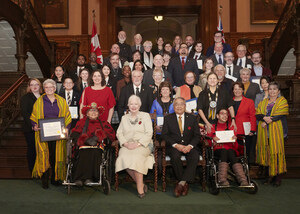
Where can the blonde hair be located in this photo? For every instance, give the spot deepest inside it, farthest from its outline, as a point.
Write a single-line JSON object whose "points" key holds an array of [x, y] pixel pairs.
{"points": [[28, 90]]}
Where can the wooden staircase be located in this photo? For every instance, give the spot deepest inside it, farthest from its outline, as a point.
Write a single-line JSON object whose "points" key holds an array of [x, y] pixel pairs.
{"points": [[13, 152]]}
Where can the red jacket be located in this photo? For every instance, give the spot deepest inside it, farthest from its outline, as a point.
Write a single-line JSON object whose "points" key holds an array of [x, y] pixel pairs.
{"points": [[245, 113], [222, 127], [265, 72]]}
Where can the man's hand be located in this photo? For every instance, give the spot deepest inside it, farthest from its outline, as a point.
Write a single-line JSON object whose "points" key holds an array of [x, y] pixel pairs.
{"points": [[186, 149], [179, 147]]}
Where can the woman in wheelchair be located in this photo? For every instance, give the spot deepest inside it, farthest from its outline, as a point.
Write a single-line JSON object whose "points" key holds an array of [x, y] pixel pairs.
{"points": [[226, 152], [89, 133]]}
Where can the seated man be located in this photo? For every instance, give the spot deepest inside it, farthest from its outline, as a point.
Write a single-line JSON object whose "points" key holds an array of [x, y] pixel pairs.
{"points": [[182, 134], [226, 152], [89, 134]]}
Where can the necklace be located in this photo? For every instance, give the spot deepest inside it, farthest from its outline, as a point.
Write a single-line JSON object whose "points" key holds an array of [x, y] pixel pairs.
{"points": [[213, 103]]}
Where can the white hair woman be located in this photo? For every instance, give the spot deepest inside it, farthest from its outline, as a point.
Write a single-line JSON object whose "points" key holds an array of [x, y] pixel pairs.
{"points": [[135, 137], [53, 153], [147, 55]]}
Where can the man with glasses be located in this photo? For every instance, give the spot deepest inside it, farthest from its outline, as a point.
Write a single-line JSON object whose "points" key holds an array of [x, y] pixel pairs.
{"points": [[218, 36]]}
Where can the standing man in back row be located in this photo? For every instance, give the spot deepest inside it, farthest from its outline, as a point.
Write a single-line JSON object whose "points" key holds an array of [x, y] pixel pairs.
{"points": [[125, 49], [180, 65]]}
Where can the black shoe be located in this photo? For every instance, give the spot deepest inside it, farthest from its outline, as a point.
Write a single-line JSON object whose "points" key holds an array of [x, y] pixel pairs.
{"points": [[45, 180], [55, 183]]}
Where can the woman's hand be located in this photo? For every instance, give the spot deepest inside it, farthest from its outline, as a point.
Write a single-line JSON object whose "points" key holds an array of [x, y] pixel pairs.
{"points": [[208, 127], [131, 145], [158, 128], [268, 120], [36, 128], [234, 125], [263, 124]]}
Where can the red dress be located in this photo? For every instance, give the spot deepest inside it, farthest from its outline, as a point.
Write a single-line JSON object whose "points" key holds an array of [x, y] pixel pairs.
{"points": [[103, 97]]}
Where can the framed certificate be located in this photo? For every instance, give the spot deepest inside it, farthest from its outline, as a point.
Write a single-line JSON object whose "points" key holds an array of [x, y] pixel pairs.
{"points": [[52, 129], [225, 136], [191, 106]]}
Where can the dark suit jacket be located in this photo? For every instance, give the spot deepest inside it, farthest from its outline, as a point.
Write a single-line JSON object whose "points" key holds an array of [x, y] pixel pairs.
{"points": [[216, 61], [265, 72], [125, 51], [210, 49], [148, 79], [27, 102], [227, 85], [133, 48], [177, 73], [248, 62], [171, 133], [192, 56], [236, 71], [252, 91], [88, 66], [146, 96], [75, 102]]}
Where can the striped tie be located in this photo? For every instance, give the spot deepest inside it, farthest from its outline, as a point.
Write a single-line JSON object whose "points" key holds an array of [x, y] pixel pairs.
{"points": [[69, 98]]}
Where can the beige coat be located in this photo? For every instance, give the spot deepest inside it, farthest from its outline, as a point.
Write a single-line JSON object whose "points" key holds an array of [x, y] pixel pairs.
{"points": [[141, 158]]}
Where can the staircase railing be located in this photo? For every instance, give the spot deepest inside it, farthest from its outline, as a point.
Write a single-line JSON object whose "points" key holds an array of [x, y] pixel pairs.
{"points": [[287, 18], [30, 16], [10, 103]]}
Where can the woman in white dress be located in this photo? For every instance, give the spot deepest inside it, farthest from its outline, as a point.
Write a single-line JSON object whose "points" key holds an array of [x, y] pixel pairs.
{"points": [[135, 137]]}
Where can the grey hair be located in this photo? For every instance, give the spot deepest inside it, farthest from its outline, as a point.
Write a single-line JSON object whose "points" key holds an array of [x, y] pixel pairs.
{"points": [[51, 81], [245, 70], [134, 71], [134, 97], [179, 98]]}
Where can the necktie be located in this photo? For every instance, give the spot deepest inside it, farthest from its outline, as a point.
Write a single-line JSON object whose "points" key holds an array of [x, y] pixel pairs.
{"points": [[180, 124], [229, 70], [138, 47], [196, 57], [240, 64], [182, 63], [137, 91], [220, 59], [69, 98], [84, 85]]}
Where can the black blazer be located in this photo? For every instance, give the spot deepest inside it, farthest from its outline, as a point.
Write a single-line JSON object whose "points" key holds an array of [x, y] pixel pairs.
{"points": [[146, 96], [216, 61], [248, 63], [192, 56], [148, 79], [252, 91], [89, 66], [27, 102], [75, 102], [177, 73], [133, 48], [171, 133]]}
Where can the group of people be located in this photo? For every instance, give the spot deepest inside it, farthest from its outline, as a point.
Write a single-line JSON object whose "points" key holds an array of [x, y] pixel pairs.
{"points": [[133, 81]]}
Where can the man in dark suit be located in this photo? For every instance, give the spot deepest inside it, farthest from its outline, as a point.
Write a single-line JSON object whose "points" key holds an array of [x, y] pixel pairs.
{"points": [[218, 56], [137, 43], [125, 49], [80, 64], [242, 59], [232, 70], [180, 65], [72, 97], [93, 65], [137, 88], [114, 64], [224, 82], [258, 69], [182, 135], [218, 37], [115, 49], [158, 62]]}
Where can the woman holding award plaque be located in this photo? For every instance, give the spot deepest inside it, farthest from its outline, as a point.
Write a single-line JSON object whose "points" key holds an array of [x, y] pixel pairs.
{"points": [[53, 153], [211, 100]]}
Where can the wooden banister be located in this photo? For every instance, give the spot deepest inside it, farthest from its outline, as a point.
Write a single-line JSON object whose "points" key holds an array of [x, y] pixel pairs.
{"points": [[13, 88], [67, 59]]}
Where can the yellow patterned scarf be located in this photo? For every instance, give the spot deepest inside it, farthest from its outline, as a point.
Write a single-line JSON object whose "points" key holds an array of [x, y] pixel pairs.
{"points": [[270, 148], [42, 163]]}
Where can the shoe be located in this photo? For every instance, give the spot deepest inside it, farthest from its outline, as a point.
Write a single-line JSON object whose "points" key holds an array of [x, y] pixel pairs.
{"points": [[87, 182], [45, 180], [269, 180], [145, 188], [78, 183], [141, 195], [178, 190], [277, 181], [185, 189]]}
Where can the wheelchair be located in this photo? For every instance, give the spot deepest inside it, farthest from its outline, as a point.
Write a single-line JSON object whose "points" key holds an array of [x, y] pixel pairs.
{"points": [[106, 170], [212, 172]]}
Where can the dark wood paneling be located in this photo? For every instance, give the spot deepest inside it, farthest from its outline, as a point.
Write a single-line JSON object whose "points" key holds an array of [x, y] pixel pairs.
{"points": [[84, 16], [233, 17]]}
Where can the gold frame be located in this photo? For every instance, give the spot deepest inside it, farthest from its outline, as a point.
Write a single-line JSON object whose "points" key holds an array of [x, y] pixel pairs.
{"points": [[254, 17], [65, 23]]}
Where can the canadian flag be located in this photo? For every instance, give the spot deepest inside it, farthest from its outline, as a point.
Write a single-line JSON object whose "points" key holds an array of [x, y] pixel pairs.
{"points": [[95, 44]]}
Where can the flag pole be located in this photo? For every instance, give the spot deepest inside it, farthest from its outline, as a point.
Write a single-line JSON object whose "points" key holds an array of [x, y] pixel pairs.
{"points": [[94, 15]]}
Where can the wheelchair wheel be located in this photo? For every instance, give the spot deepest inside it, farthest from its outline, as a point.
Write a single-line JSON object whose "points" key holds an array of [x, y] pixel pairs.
{"points": [[254, 189], [106, 187]]}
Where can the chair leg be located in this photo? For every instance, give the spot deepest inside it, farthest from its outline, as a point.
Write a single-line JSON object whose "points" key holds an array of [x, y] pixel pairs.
{"points": [[116, 181], [203, 179], [155, 171]]}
